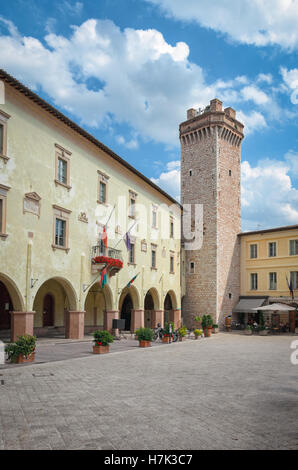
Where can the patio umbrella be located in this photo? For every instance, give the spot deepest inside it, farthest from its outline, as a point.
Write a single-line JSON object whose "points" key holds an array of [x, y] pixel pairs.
{"points": [[275, 308]]}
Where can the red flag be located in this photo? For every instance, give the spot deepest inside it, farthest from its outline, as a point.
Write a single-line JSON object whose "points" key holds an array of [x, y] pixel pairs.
{"points": [[103, 277], [104, 237]]}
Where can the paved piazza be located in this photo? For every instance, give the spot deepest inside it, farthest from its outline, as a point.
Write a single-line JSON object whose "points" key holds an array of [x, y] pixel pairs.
{"points": [[226, 392]]}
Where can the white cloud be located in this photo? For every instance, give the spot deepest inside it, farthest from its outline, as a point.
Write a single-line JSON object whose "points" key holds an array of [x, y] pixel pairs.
{"points": [[169, 180], [257, 22], [138, 78], [265, 77], [268, 196], [254, 94], [252, 121], [130, 144]]}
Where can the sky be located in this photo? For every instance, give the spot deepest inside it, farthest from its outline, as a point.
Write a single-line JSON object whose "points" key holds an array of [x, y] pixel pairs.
{"points": [[127, 71]]}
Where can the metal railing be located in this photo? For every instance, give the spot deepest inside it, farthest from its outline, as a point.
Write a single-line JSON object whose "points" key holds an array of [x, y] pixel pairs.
{"points": [[99, 250]]}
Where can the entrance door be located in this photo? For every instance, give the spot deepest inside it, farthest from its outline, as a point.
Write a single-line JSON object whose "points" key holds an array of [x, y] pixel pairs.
{"points": [[5, 308], [126, 309], [48, 310]]}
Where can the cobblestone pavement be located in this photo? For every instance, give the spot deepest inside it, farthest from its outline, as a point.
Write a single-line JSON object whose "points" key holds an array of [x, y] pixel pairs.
{"points": [[224, 392]]}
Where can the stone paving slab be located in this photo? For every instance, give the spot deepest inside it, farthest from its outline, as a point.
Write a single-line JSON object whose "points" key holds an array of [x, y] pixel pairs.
{"points": [[224, 392]]}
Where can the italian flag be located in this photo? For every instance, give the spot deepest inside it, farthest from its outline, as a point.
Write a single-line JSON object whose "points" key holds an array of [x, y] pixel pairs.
{"points": [[132, 280], [104, 237], [103, 278]]}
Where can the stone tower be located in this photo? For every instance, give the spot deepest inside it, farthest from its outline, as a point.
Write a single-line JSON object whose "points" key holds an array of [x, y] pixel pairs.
{"points": [[210, 175]]}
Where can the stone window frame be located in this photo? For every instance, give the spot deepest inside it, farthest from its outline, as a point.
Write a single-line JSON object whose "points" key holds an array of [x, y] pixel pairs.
{"points": [[171, 225], [270, 280], [172, 257], [62, 154], [269, 244], [294, 279], [295, 250], [132, 244], [61, 214], [252, 288], [102, 179], [3, 197], [250, 250], [3, 122], [132, 197], [154, 250]]}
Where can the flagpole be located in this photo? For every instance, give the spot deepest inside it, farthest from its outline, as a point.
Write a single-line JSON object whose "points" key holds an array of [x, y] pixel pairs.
{"points": [[125, 234], [105, 225]]}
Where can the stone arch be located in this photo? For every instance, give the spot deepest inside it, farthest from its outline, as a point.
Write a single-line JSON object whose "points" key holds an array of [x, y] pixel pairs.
{"points": [[173, 298], [16, 297], [97, 302], [152, 309], [170, 304], [65, 299], [155, 297], [134, 294], [129, 303]]}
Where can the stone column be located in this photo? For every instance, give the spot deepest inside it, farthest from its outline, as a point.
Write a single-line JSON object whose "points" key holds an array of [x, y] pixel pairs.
{"points": [[157, 317], [21, 324], [175, 316], [74, 325], [137, 320], [109, 316]]}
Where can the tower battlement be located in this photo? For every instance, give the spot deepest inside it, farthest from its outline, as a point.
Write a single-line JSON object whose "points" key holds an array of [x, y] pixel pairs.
{"points": [[202, 122]]}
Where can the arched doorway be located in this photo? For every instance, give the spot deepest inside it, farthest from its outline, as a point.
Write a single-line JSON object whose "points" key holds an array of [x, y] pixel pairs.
{"points": [[53, 300], [149, 308], [97, 302], [127, 307], [168, 306], [48, 310], [5, 307]]}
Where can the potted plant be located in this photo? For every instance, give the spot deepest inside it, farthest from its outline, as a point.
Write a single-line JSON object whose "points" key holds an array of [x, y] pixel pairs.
{"points": [[207, 325], [182, 332], [167, 334], [248, 330], [198, 333], [214, 328], [23, 350], [263, 331], [102, 340], [145, 336]]}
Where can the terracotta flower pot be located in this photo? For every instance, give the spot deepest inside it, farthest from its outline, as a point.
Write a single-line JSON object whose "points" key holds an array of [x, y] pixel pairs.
{"points": [[21, 359], [144, 343], [182, 338], [165, 339], [207, 332], [101, 349]]}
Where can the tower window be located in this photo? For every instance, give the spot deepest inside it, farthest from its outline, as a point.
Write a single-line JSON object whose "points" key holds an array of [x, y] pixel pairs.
{"points": [[190, 172], [191, 267], [230, 172]]}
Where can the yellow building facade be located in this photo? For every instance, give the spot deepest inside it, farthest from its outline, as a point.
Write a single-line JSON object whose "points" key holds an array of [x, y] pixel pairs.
{"points": [[269, 264], [60, 190]]}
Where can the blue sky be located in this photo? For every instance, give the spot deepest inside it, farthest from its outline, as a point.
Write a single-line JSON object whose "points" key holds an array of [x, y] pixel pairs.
{"points": [[127, 71]]}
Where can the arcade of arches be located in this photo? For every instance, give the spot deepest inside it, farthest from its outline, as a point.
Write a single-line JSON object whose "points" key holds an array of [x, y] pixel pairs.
{"points": [[55, 309]]}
